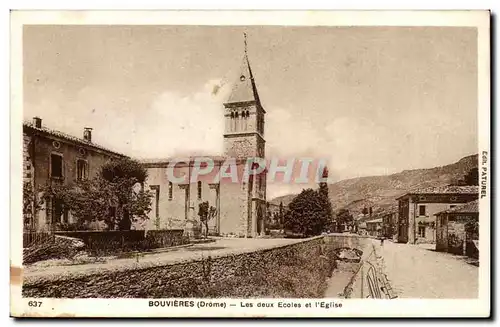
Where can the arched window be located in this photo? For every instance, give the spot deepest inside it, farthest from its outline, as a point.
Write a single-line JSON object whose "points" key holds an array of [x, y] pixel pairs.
{"points": [[199, 190], [236, 121], [231, 122], [245, 123]]}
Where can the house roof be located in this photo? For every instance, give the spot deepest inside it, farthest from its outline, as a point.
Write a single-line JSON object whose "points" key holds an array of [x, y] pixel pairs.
{"points": [[469, 207], [448, 189], [52, 132]]}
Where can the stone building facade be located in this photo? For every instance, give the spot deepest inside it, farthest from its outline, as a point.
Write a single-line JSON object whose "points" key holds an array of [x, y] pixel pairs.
{"points": [[240, 206], [417, 209], [389, 223], [53, 157], [458, 228]]}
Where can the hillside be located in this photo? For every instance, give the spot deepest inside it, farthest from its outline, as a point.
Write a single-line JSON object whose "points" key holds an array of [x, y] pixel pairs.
{"points": [[380, 192]]}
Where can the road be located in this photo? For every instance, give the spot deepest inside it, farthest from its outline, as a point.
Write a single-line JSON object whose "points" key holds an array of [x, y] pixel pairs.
{"points": [[420, 272]]}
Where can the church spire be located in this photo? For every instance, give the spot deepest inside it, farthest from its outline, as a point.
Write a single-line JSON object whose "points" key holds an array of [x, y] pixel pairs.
{"points": [[244, 89], [245, 40]]}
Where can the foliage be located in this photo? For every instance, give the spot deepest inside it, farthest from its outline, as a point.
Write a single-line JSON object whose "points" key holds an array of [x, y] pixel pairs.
{"points": [[472, 226], [471, 178], [122, 175], [206, 213], [306, 214], [124, 169], [113, 197], [31, 204], [344, 219], [281, 214], [325, 199], [310, 212]]}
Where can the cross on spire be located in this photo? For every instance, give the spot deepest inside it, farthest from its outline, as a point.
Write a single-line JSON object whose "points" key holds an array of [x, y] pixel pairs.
{"points": [[245, 41]]}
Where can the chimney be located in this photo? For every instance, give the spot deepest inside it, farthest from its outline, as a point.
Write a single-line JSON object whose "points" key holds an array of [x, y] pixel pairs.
{"points": [[87, 134], [37, 122]]}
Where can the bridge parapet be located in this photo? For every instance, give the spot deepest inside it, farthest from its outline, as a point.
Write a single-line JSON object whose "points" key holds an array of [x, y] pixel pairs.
{"points": [[362, 254]]}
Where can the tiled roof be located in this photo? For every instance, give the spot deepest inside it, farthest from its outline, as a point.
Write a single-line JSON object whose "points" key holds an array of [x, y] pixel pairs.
{"points": [[469, 207], [448, 189], [68, 137]]}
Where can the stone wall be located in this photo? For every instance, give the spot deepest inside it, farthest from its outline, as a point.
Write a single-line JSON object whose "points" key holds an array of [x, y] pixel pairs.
{"points": [[293, 270]]}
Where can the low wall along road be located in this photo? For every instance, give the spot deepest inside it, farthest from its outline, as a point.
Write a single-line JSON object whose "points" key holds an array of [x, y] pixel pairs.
{"points": [[303, 268]]}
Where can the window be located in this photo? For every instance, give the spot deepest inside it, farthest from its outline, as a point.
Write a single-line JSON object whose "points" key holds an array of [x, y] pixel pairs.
{"points": [[81, 169], [421, 231], [421, 210], [156, 189], [59, 214], [56, 165], [170, 191], [199, 190], [231, 122]]}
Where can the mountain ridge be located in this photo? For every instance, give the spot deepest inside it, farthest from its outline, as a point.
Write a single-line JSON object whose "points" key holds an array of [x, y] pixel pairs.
{"points": [[380, 192]]}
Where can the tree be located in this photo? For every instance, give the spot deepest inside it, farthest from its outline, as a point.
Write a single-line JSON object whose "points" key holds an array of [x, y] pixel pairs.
{"points": [[472, 177], [281, 215], [31, 204], [325, 199], [112, 196], [344, 219], [306, 214], [206, 213], [122, 175]]}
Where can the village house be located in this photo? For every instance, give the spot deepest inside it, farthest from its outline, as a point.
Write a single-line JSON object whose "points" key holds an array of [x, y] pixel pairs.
{"points": [[457, 229], [417, 209], [389, 223], [374, 227], [240, 207], [53, 157]]}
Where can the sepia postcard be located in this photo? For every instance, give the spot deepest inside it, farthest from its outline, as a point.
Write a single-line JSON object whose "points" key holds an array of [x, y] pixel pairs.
{"points": [[250, 164]]}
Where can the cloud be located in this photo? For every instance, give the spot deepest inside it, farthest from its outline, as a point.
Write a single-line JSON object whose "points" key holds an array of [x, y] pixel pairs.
{"points": [[172, 124], [185, 124]]}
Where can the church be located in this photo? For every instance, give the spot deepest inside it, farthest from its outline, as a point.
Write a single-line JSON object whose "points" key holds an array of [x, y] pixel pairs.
{"points": [[240, 207]]}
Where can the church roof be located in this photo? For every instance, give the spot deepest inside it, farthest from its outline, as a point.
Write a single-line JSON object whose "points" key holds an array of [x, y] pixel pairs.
{"points": [[244, 88]]}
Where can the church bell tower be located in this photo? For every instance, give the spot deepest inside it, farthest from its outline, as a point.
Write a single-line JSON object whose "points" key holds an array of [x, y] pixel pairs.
{"points": [[244, 116]]}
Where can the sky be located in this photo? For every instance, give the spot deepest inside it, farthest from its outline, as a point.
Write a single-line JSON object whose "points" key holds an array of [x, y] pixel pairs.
{"points": [[371, 100]]}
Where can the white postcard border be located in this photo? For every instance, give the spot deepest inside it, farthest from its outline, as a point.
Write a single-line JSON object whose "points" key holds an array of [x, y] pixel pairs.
{"points": [[350, 308]]}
